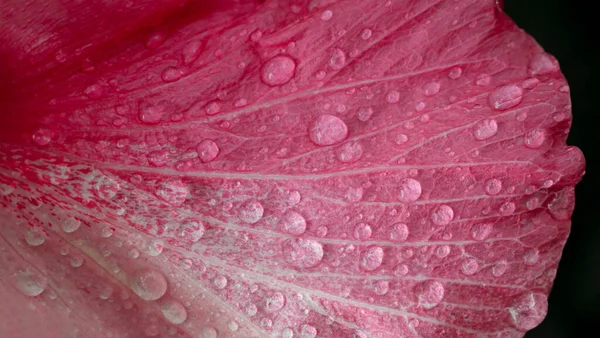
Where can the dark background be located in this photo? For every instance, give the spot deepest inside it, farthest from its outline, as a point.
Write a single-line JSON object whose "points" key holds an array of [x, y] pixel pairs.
{"points": [[565, 29]]}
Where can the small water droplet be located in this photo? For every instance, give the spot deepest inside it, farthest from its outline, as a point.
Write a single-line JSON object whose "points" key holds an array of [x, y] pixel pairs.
{"points": [[531, 256], [275, 302], [528, 310], [429, 293], [469, 266], [327, 130], [293, 223], [485, 129], [106, 232], [174, 192], [42, 137], [364, 113], [173, 311], [393, 96], [534, 139], [251, 310], [505, 97], [94, 91], [192, 231], [542, 64], [409, 190], [442, 251], [481, 231], [70, 224], [191, 51], [251, 212], [493, 186], [133, 254], [278, 70], [372, 258], [483, 80], [326, 15], [287, 333], [366, 34], [455, 73], [155, 40], [399, 232], [382, 287], [442, 215], [208, 332], [76, 261], [171, 74], [337, 59], [30, 282], [354, 195], [155, 247], [349, 152], [507, 208], [232, 325], [431, 88], [362, 232], [151, 114], [303, 253], [207, 150], [35, 236], [158, 158], [499, 268], [148, 284], [308, 331]]}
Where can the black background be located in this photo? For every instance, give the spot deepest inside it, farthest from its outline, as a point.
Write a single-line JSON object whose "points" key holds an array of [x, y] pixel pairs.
{"points": [[565, 29]]}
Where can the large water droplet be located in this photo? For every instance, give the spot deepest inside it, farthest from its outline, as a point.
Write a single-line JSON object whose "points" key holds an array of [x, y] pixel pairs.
{"points": [[151, 114], [35, 236], [431, 88], [173, 311], [481, 231], [70, 224], [337, 59], [349, 152], [303, 253], [399, 232], [148, 284], [534, 139], [393, 96], [528, 310], [543, 64], [251, 212], [293, 223], [429, 293], [372, 258], [174, 192], [442, 215], [207, 150], [409, 190], [275, 302], [326, 130], [469, 266], [485, 129], [362, 232], [278, 71], [493, 186], [30, 282], [505, 97]]}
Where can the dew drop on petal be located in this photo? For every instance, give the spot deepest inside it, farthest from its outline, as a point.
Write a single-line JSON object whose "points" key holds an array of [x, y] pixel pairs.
{"points": [[442, 215], [326, 130], [278, 70], [207, 150], [148, 284], [505, 97]]}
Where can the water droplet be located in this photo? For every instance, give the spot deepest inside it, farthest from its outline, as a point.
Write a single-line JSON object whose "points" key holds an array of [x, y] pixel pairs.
{"points": [[531, 256], [483, 80], [149, 284], [278, 71], [481, 231], [530, 83], [212, 108], [354, 195], [303, 253], [151, 114], [366, 34], [485, 129], [542, 64], [171, 74], [431, 88], [275, 302], [293, 223], [469, 266], [382, 287], [251, 212], [287, 333], [30, 282], [337, 59], [534, 139], [35, 236], [105, 293], [70, 224], [251, 310], [326, 15], [94, 91], [192, 231], [455, 73], [442, 251], [429, 293], [76, 261], [133, 254], [399, 232], [106, 187], [409, 190], [155, 40], [155, 247], [364, 113], [507, 208], [362, 232], [528, 310], [174, 192], [158, 158], [106, 232], [372, 258], [442, 215], [42, 137], [233, 326], [493, 186], [505, 97], [208, 332], [322, 231], [191, 51], [499, 268], [326, 130], [207, 150], [393, 96], [349, 152], [308, 331], [173, 311]]}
